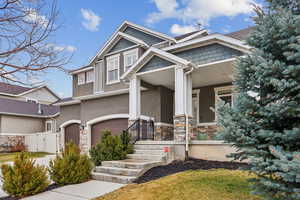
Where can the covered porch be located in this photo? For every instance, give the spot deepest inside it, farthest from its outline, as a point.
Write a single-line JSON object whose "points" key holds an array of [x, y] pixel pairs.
{"points": [[194, 91]]}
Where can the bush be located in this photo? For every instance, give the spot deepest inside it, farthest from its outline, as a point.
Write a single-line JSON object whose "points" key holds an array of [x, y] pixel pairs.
{"points": [[70, 168], [127, 146], [110, 148], [24, 178]]}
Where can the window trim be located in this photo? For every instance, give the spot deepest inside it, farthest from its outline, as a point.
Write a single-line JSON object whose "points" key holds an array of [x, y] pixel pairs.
{"points": [[110, 58], [218, 89], [49, 122], [93, 79], [84, 74], [126, 53]]}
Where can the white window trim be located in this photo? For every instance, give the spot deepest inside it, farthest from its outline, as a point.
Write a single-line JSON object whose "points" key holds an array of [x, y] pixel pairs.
{"points": [[78, 83], [217, 89], [197, 92], [126, 53], [93, 79], [114, 81], [49, 122]]}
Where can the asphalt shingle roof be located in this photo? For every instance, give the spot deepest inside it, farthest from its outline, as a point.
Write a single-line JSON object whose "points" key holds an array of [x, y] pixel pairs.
{"points": [[26, 108], [12, 89]]}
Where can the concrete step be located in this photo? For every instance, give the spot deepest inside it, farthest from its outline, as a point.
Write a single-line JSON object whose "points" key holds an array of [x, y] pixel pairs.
{"points": [[129, 163], [117, 171], [149, 147], [147, 157], [113, 178], [149, 152]]}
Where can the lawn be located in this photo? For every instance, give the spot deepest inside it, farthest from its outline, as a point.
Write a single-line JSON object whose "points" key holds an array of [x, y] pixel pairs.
{"points": [[220, 184], [5, 157]]}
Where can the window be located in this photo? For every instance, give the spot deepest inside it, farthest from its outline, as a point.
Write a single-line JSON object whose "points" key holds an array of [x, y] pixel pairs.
{"points": [[90, 76], [112, 74], [48, 126], [81, 78], [130, 57], [224, 94]]}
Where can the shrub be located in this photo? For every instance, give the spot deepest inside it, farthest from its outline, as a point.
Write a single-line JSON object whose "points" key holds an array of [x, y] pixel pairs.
{"points": [[127, 146], [24, 177], [71, 167], [110, 148]]}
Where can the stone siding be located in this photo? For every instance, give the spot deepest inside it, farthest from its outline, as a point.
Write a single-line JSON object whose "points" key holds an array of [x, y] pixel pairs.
{"points": [[83, 141], [206, 132], [180, 127], [10, 143]]}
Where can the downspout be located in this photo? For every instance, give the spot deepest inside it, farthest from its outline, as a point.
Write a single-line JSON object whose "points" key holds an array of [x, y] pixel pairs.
{"points": [[187, 122]]}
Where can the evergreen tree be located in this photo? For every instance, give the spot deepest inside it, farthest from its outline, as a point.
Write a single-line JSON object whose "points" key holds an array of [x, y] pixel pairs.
{"points": [[264, 123]]}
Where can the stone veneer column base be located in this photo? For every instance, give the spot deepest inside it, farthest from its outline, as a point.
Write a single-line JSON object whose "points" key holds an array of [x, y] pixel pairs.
{"points": [[83, 141], [10, 143]]}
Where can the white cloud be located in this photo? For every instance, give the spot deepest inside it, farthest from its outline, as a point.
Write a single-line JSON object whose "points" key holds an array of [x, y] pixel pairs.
{"points": [[56, 47], [199, 10], [34, 17], [91, 20], [177, 29]]}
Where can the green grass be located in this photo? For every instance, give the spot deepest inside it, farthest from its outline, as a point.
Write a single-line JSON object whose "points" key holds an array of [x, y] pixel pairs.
{"points": [[190, 185], [6, 157]]}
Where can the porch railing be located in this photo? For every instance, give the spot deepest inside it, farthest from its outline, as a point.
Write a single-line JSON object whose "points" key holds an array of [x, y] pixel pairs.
{"points": [[141, 130]]}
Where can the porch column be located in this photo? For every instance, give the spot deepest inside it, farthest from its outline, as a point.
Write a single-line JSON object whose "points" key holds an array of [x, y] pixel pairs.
{"points": [[135, 98]]}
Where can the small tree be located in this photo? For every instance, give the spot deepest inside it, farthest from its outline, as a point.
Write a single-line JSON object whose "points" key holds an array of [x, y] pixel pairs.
{"points": [[264, 123], [71, 167], [24, 178]]}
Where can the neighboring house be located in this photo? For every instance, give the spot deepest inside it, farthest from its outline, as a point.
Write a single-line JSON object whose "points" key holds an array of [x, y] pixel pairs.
{"points": [[26, 110], [143, 74]]}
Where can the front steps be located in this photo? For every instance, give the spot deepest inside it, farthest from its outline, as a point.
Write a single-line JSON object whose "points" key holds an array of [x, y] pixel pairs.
{"points": [[126, 171]]}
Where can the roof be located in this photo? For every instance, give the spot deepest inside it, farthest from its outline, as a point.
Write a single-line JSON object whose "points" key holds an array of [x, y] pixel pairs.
{"points": [[241, 34], [12, 89], [15, 107], [66, 101], [180, 37]]}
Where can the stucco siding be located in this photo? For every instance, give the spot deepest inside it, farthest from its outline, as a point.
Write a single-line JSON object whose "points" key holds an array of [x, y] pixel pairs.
{"points": [[16, 124], [69, 112], [209, 53], [149, 39]]}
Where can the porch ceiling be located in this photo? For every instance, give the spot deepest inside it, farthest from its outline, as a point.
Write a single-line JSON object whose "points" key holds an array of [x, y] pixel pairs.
{"points": [[202, 75]]}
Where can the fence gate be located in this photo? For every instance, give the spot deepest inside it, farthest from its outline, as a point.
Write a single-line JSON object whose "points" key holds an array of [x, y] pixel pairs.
{"points": [[42, 142]]}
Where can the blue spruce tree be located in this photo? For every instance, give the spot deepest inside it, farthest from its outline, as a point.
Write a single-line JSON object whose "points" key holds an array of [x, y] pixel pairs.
{"points": [[264, 123]]}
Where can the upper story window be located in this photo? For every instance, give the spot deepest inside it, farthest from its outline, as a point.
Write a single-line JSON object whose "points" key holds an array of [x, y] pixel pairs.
{"points": [[130, 57], [81, 78], [90, 76], [112, 71], [224, 94]]}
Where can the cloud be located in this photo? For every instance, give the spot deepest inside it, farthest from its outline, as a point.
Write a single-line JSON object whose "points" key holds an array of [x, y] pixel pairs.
{"points": [[201, 11], [34, 17], [177, 29], [91, 20], [56, 47]]}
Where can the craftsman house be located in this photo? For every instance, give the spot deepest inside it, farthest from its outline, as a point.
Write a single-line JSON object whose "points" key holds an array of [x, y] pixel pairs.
{"points": [[141, 76]]}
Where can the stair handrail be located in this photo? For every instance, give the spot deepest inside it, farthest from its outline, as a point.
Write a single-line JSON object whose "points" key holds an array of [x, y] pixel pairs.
{"points": [[135, 138]]}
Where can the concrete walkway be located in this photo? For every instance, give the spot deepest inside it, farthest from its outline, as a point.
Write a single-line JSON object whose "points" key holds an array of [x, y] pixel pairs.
{"points": [[83, 191]]}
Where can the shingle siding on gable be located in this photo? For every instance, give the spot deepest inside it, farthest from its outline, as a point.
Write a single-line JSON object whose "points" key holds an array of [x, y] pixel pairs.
{"points": [[155, 63], [207, 54], [149, 39], [121, 44]]}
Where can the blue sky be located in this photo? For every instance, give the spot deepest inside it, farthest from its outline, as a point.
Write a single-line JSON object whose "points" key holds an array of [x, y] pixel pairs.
{"points": [[87, 24]]}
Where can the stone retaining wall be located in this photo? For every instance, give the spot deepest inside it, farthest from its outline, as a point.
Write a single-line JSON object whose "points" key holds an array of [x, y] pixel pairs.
{"points": [[10, 143]]}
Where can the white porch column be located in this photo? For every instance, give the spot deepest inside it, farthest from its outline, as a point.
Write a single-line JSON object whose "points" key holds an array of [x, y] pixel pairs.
{"points": [[189, 95], [134, 98], [179, 91]]}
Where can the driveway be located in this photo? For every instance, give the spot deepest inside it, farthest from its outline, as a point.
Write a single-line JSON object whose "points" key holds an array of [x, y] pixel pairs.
{"points": [[83, 191]]}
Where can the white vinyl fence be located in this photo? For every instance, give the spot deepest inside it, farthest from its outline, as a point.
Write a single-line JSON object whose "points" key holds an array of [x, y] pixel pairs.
{"points": [[42, 142]]}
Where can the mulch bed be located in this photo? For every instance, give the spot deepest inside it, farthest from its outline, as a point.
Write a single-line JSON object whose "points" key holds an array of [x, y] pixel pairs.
{"points": [[191, 164]]}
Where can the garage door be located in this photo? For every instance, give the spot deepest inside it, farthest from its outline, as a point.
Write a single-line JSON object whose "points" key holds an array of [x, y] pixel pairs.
{"points": [[116, 126], [72, 133]]}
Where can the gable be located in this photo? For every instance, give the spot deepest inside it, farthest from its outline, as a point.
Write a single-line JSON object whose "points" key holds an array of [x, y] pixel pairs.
{"points": [[149, 39], [42, 95], [155, 63], [208, 54], [121, 44]]}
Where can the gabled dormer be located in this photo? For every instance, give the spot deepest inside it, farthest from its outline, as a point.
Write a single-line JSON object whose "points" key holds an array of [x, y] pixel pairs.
{"points": [[117, 55]]}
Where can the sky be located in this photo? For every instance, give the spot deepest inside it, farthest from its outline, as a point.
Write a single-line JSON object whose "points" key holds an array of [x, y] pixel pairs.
{"points": [[87, 24]]}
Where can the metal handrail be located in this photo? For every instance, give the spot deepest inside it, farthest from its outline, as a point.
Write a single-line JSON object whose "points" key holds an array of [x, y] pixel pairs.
{"points": [[136, 125]]}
